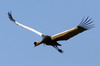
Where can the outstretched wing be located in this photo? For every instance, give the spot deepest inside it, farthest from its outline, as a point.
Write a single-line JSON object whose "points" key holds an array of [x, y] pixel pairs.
{"points": [[31, 29], [84, 25]]}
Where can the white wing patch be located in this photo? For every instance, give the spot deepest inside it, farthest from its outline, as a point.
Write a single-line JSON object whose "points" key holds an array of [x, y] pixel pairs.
{"points": [[31, 29]]}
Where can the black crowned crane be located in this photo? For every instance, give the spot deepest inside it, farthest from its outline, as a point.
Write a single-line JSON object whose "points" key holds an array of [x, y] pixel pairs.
{"points": [[52, 40]]}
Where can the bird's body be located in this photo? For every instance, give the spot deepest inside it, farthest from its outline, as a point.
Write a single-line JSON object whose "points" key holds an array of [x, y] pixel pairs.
{"points": [[52, 40], [48, 41]]}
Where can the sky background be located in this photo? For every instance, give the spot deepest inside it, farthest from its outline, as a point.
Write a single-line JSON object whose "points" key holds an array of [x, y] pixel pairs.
{"points": [[49, 17]]}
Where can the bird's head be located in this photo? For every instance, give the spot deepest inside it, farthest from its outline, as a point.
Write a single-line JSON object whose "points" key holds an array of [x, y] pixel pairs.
{"points": [[36, 43]]}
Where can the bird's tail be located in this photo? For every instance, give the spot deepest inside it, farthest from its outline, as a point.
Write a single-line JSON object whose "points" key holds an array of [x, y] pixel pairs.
{"points": [[86, 23], [59, 45]]}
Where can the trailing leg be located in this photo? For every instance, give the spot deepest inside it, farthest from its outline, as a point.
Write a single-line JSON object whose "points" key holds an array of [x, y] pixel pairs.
{"points": [[58, 49]]}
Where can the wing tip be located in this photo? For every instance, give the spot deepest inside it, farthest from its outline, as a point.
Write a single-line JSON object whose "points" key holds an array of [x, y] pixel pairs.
{"points": [[87, 23], [10, 16]]}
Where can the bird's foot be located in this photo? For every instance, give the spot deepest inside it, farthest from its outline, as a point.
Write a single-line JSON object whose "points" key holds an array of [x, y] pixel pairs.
{"points": [[60, 50]]}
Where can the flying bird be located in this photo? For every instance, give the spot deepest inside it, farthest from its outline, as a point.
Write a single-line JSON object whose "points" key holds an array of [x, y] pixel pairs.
{"points": [[65, 35]]}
